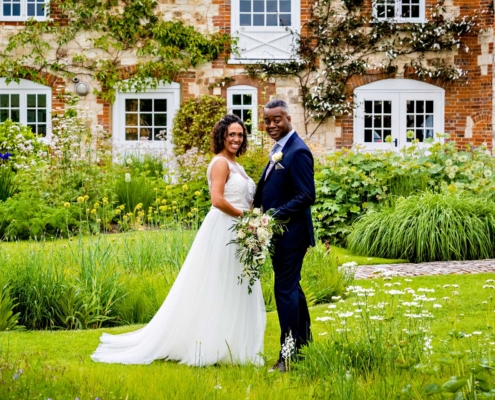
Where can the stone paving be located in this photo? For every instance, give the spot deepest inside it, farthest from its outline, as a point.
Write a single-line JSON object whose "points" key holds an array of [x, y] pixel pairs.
{"points": [[430, 268]]}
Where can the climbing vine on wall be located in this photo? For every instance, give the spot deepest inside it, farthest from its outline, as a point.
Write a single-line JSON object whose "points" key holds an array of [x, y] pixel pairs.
{"points": [[92, 38], [341, 41]]}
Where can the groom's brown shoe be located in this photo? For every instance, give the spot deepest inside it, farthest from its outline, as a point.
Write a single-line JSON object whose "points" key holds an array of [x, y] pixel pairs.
{"points": [[279, 366]]}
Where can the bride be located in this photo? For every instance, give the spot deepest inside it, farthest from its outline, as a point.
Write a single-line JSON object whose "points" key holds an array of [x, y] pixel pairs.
{"points": [[207, 317]]}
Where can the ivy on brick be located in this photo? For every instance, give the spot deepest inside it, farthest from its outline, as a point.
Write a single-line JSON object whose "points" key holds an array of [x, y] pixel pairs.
{"points": [[108, 30], [342, 41]]}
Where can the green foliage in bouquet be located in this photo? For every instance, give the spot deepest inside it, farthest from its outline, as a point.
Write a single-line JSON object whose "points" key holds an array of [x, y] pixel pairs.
{"points": [[428, 227], [194, 123], [353, 182]]}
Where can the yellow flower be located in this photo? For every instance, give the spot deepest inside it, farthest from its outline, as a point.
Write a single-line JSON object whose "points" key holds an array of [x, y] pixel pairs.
{"points": [[194, 210], [98, 220], [155, 189], [184, 187], [174, 202], [197, 193], [162, 208], [86, 197], [122, 206], [139, 206], [80, 199], [118, 211], [169, 187], [105, 200], [96, 205], [66, 204], [189, 214], [93, 211], [320, 216], [164, 201], [125, 218]]}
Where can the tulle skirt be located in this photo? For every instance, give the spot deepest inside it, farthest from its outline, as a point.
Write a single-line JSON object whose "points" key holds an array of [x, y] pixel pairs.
{"points": [[207, 317]]}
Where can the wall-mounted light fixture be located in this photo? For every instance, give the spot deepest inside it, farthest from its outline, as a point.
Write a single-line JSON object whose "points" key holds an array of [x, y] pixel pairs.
{"points": [[81, 88]]}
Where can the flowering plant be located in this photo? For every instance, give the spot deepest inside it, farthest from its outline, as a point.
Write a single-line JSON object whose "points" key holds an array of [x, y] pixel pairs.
{"points": [[277, 157], [254, 232]]}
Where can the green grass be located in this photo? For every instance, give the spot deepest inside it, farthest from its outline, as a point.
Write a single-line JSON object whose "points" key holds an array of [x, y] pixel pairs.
{"points": [[57, 365]]}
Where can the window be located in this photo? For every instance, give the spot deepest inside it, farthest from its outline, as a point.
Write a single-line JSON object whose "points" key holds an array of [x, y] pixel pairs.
{"points": [[387, 110], [143, 121], [28, 103], [399, 10], [21, 10], [263, 29], [243, 102]]}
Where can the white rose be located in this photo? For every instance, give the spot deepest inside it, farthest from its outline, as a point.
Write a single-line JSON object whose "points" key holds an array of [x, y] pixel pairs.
{"points": [[241, 235], [265, 219], [256, 211], [277, 157], [254, 222]]}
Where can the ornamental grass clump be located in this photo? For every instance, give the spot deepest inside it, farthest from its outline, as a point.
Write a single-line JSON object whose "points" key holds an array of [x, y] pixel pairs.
{"points": [[428, 227]]}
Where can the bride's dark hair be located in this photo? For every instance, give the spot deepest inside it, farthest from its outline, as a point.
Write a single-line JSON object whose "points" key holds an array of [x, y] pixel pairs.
{"points": [[219, 134]]}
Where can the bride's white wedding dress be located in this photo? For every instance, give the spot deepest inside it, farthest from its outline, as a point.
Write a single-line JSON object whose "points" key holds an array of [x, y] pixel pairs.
{"points": [[207, 317]]}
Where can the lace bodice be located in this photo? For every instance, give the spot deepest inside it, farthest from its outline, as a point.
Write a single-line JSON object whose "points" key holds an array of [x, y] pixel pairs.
{"points": [[239, 189]]}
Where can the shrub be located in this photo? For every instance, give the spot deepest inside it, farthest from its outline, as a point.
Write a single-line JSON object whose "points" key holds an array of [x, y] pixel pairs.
{"points": [[354, 182], [428, 227], [194, 122]]}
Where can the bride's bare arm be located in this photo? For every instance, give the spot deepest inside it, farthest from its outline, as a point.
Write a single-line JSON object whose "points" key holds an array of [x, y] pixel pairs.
{"points": [[219, 175]]}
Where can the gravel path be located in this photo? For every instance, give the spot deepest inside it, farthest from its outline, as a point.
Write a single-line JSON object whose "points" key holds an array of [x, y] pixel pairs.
{"points": [[431, 268]]}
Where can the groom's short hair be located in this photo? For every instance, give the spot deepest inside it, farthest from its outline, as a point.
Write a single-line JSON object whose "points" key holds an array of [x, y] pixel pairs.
{"points": [[278, 103]]}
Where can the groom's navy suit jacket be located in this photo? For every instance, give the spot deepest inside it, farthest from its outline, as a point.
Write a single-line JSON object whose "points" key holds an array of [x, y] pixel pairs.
{"points": [[290, 190]]}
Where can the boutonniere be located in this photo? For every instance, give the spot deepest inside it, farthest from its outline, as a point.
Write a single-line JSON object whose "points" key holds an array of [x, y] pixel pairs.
{"points": [[277, 157]]}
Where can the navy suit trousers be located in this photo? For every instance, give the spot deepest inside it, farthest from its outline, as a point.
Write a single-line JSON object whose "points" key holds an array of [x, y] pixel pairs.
{"points": [[292, 308]]}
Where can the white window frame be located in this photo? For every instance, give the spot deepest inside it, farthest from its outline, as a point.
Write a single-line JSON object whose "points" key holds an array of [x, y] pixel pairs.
{"points": [[279, 36], [397, 17], [241, 90], [123, 147], [23, 88], [24, 16], [399, 91]]}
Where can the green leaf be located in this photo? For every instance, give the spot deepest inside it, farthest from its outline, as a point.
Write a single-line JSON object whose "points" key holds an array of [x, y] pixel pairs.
{"points": [[454, 384]]}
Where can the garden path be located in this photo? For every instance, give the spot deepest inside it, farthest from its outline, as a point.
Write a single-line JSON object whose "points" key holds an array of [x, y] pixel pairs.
{"points": [[428, 268]]}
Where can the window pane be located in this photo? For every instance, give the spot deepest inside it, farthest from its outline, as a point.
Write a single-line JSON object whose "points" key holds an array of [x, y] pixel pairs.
{"points": [[15, 100], [429, 106], [420, 120], [15, 115], [238, 113], [429, 133], [247, 99], [285, 6], [419, 135], [160, 105], [367, 135], [420, 106], [145, 134], [31, 100], [131, 134], [245, 6], [160, 119], [131, 119], [42, 130], [271, 6], [31, 10], [377, 121], [258, 6], [368, 122], [271, 20], [258, 20], [429, 121], [41, 115], [410, 106], [31, 115], [378, 107], [146, 105], [285, 20], [42, 100], [7, 10], [386, 133], [387, 107], [4, 100], [146, 119], [387, 121], [377, 137], [410, 121], [4, 115], [131, 104], [237, 99], [40, 10], [160, 134], [368, 107], [245, 20]]}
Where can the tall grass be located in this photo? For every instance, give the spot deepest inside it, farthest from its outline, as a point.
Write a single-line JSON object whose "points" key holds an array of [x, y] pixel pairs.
{"points": [[428, 227], [132, 191], [107, 280], [7, 184]]}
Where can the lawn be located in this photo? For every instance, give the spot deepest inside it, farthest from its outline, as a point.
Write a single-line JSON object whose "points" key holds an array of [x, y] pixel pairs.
{"points": [[56, 364]]}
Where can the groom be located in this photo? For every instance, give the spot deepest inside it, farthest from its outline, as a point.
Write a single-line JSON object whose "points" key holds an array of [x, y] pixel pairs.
{"points": [[287, 185]]}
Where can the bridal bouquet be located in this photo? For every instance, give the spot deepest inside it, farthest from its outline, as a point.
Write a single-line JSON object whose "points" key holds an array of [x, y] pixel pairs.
{"points": [[254, 232]]}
